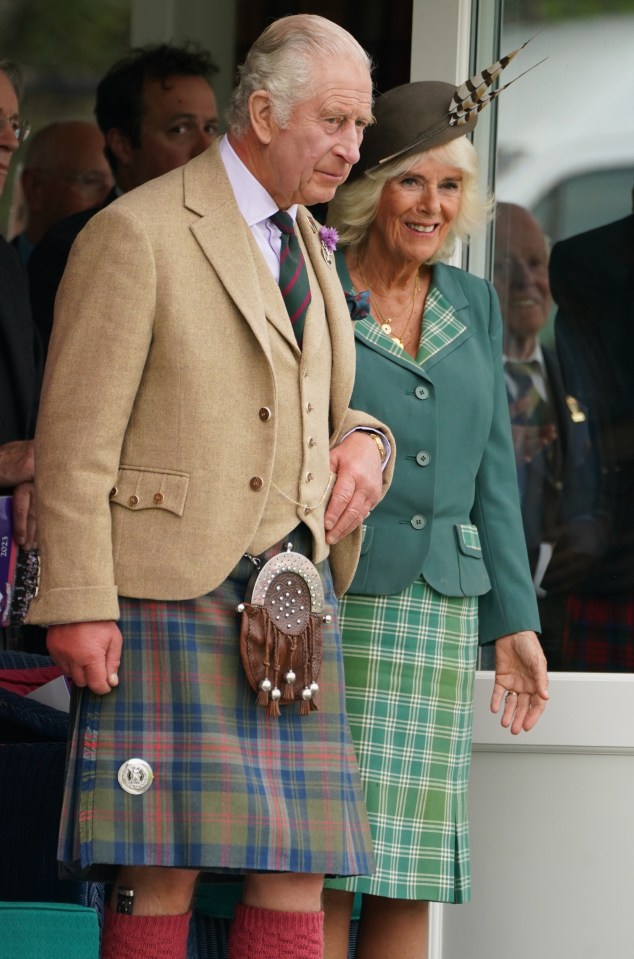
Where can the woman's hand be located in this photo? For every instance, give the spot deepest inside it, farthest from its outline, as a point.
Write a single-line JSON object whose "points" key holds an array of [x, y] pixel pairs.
{"points": [[521, 678]]}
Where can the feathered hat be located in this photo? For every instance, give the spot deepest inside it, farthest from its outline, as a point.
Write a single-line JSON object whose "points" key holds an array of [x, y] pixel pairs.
{"points": [[427, 113]]}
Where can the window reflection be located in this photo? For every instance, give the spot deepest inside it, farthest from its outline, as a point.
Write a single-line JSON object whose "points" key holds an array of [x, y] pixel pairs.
{"points": [[564, 273]]}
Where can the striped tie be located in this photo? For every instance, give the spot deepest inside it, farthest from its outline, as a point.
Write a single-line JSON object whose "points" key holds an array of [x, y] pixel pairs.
{"points": [[530, 408], [293, 274]]}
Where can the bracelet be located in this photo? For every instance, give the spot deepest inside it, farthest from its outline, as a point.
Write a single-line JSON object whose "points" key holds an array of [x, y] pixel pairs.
{"points": [[379, 445]]}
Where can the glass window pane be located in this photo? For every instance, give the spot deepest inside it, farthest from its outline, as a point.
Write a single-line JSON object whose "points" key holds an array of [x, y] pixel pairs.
{"points": [[564, 272]]}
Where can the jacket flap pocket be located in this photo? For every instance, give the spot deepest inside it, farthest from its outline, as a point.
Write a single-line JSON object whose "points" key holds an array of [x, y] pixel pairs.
{"points": [[468, 539], [139, 488]]}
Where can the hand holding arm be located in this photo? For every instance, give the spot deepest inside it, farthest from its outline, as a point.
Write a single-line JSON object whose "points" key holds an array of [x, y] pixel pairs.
{"points": [[520, 672], [358, 487], [89, 653]]}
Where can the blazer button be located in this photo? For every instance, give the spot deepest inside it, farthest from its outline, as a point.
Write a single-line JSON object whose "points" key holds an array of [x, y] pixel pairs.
{"points": [[256, 483], [309, 407], [423, 458], [133, 501], [265, 414], [311, 442], [418, 521], [309, 477], [113, 491], [421, 393], [158, 498]]}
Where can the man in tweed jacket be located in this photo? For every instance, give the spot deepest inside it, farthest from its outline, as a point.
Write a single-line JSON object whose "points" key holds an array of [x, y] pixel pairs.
{"points": [[181, 428]]}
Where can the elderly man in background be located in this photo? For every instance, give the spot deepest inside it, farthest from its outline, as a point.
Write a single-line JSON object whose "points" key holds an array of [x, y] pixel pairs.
{"points": [[194, 426], [550, 430], [19, 375], [65, 171], [156, 110]]}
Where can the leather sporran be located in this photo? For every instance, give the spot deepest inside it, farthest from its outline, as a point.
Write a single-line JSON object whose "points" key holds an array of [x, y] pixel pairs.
{"points": [[280, 632]]}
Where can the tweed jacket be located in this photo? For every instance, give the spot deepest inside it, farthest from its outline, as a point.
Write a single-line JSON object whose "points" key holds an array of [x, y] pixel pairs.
{"points": [[157, 434], [452, 514]]}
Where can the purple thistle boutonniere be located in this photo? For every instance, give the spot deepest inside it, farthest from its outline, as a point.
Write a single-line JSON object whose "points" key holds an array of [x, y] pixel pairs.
{"points": [[329, 237]]}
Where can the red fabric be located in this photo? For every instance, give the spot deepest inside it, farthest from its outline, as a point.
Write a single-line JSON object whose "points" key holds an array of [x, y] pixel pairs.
{"points": [[268, 934], [23, 681], [144, 937], [598, 634]]}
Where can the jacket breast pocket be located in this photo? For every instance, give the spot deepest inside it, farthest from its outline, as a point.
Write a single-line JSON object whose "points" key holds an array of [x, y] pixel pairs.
{"points": [[140, 488], [474, 579]]}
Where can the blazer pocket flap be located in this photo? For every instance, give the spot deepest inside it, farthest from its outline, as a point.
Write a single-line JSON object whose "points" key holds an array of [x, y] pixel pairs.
{"points": [[468, 539], [139, 488]]}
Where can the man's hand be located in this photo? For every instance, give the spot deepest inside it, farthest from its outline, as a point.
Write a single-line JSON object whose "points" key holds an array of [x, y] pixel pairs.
{"points": [[17, 462], [89, 653], [358, 487], [24, 524], [520, 675]]}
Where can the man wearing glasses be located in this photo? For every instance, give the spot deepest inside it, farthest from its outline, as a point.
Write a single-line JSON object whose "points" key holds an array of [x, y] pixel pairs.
{"points": [[19, 373]]}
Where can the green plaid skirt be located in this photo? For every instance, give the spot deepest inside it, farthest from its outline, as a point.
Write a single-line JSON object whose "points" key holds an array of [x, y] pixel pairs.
{"points": [[410, 663], [233, 788]]}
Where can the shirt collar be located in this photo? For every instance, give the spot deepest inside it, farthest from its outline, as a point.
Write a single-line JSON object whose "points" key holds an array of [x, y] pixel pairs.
{"points": [[253, 201], [536, 356]]}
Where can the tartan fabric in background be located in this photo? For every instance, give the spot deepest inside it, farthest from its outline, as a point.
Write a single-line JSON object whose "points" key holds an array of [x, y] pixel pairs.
{"points": [[597, 635], [233, 787]]}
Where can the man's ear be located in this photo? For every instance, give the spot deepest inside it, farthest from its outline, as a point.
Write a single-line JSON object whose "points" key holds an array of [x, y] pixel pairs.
{"points": [[261, 115], [119, 145]]}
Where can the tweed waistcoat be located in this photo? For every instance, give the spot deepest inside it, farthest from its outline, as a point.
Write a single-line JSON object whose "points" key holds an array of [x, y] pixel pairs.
{"points": [[301, 475]]}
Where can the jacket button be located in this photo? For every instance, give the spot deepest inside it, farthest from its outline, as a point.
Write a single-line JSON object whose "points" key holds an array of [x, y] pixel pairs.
{"points": [[309, 477], [309, 407], [158, 498], [113, 491], [421, 393], [418, 521], [256, 483], [133, 501], [423, 458], [265, 414], [311, 442]]}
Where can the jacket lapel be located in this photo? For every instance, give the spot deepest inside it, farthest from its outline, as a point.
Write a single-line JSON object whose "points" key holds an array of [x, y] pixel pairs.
{"points": [[226, 241]]}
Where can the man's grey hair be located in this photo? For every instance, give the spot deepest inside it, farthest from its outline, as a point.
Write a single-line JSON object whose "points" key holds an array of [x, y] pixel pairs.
{"points": [[283, 62], [14, 75]]}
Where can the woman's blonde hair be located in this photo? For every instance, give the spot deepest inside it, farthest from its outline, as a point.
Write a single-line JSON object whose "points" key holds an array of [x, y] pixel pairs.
{"points": [[354, 206]]}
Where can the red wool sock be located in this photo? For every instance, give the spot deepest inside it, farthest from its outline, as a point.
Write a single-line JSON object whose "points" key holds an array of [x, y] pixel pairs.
{"points": [[269, 934], [144, 937]]}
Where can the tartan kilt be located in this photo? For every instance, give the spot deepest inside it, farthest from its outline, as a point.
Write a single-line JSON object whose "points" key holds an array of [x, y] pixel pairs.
{"points": [[410, 663], [234, 789], [598, 633]]}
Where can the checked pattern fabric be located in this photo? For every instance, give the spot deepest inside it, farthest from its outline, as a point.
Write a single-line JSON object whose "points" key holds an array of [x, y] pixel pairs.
{"points": [[293, 281]]}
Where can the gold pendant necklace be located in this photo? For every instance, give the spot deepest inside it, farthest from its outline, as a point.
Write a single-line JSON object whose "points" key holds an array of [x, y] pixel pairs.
{"points": [[386, 324]]}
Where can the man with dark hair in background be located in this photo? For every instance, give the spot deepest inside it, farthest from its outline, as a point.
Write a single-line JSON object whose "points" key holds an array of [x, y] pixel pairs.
{"points": [[156, 110]]}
